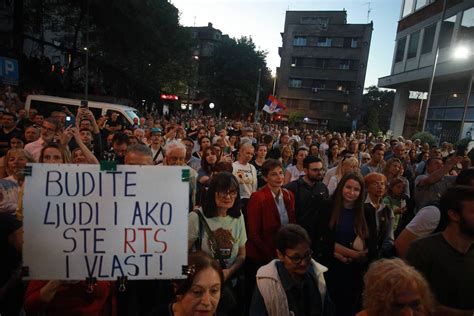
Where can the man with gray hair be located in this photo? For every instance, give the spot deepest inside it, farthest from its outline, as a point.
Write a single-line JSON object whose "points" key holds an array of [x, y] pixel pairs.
{"points": [[139, 155]]}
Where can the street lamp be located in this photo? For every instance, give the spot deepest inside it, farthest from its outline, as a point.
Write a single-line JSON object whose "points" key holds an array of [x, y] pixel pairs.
{"points": [[211, 105]]}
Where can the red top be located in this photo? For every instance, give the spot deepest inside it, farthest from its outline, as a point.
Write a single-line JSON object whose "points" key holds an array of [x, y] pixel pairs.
{"points": [[72, 300], [263, 222]]}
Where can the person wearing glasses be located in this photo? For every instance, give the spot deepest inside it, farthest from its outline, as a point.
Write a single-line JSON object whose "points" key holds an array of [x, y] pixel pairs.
{"points": [[48, 131], [293, 284]]}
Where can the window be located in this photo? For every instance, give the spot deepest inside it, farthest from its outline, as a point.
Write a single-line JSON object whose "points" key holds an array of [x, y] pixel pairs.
{"points": [[324, 42], [413, 45], [354, 42], [295, 83], [294, 61], [314, 20], [407, 7], [446, 33], [420, 3], [344, 64], [400, 49], [299, 41], [340, 86], [319, 84], [466, 30], [428, 39], [321, 63]]}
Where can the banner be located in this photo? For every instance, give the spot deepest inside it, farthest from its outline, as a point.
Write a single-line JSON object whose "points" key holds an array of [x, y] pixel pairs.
{"points": [[81, 222]]}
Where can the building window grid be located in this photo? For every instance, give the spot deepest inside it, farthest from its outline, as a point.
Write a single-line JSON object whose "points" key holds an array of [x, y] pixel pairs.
{"points": [[299, 41], [428, 39], [400, 52], [295, 83], [413, 45], [412, 6], [324, 42]]}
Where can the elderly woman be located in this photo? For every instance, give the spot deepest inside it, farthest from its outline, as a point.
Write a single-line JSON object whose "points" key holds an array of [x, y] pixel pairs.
{"points": [[394, 288]]}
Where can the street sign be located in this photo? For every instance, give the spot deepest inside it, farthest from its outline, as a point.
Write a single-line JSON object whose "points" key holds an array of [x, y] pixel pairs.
{"points": [[9, 73]]}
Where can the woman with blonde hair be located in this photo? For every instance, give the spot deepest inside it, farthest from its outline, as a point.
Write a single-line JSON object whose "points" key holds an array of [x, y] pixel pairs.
{"points": [[394, 288], [286, 156], [346, 166]]}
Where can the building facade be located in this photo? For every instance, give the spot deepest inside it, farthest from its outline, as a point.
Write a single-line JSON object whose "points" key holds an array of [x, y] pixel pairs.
{"points": [[428, 37], [323, 66]]}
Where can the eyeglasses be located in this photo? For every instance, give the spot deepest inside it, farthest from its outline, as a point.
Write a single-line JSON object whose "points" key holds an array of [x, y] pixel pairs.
{"points": [[48, 129], [298, 259], [224, 194]]}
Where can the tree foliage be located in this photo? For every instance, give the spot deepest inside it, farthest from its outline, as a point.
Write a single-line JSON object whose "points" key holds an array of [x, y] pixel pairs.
{"points": [[425, 137], [377, 108]]}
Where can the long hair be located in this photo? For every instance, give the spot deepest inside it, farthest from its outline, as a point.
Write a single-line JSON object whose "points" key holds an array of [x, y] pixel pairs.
{"points": [[389, 164], [13, 151], [204, 164], [360, 224], [345, 161], [221, 182], [388, 277], [64, 152]]}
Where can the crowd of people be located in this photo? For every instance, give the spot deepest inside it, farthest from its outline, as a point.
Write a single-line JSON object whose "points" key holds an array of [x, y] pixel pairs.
{"points": [[282, 221]]}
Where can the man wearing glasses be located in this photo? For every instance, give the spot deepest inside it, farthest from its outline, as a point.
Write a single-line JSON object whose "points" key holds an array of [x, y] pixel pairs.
{"points": [[48, 131], [294, 283]]}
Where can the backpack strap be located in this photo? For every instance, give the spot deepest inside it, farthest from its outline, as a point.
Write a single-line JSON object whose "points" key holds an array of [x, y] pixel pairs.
{"points": [[212, 239]]}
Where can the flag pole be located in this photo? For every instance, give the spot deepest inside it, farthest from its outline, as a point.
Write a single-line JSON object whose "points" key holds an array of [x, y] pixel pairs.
{"points": [[257, 96]]}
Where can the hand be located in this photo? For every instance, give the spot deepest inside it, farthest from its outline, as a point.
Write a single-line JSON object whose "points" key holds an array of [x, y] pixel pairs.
{"points": [[66, 136], [361, 256], [341, 258], [227, 274]]}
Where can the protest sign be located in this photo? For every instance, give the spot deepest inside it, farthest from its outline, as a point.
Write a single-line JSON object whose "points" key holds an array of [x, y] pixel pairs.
{"points": [[81, 222]]}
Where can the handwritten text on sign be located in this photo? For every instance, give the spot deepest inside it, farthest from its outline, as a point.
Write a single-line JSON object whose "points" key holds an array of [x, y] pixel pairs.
{"points": [[82, 222]]}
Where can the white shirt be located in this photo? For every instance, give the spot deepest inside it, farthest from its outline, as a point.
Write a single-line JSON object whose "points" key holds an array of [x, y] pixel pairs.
{"points": [[425, 221]]}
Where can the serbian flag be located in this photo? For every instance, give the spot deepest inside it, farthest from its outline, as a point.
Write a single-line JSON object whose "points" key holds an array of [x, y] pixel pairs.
{"points": [[273, 105]]}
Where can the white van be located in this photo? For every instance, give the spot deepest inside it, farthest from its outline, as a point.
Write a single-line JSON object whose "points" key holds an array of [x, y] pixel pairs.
{"points": [[46, 104]]}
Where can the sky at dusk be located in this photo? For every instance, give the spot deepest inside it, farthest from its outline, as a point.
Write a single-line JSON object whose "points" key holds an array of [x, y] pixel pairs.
{"points": [[263, 20]]}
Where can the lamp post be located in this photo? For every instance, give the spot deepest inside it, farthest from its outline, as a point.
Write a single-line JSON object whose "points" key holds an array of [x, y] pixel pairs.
{"points": [[257, 96], [464, 52]]}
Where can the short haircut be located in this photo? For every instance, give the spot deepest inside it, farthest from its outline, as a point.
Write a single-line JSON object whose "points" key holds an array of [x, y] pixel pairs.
{"points": [[378, 147], [309, 160], [54, 121], [174, 144], [290, 236], [269, 165], [139, 149], [465, 177], [385, 278], [431, 159], [221, 182], [374, 177], [120, 139], [189, 139], [454, 197], [11, 114], [267, 139], [245, 146], [222, 166]]}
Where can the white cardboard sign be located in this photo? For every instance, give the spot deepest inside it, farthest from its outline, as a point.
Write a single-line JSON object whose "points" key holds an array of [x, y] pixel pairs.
{"points": [[81, 222]]}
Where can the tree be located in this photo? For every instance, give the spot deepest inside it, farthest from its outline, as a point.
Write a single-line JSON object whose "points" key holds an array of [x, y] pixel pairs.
{"points": [[232, 75], [377, 108], [295, 117]]}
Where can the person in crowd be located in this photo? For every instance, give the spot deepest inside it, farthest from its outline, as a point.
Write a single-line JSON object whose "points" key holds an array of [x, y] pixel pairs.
{"points": [[331, 159], [347, 165], [219, 230], [286, 156], [394, 169], [258, 161], [54, 153], [246, 174], [293, 284], [15, 163], [376, 162], [430, 186], [296, 170], [429, 219], [379, 214], [343, 243], [114, 125], [120, 143], [156, 146], [399, 204], [48, 131], [446, 259], [191, 161], [310, 193], [208, 163], [204, 142], [308, 141], [9, 129], [392, 287], [314, 150], [31, 134]]}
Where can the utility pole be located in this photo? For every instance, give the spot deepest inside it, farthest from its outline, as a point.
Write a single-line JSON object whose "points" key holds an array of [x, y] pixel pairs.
{"points": [[86, 86], [255, 118]]}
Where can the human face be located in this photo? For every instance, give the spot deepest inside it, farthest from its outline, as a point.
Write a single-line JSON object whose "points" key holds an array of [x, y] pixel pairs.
{"points": [[86, 137], [8, 121], [85, 124], [296, 260], [245, 155], [133, 158], [349, 167], [335, 150], [189, 147], [78, 157], [315, 172], [48, 131], [120, 150], [201, 133], [38, 119], [285, 139], [351, 191], [314, 151], [211, 158], [16, 143], [262, 151], [155, 138], [205, 143], [16, 163], [376, 189], [399, 151], [226, 199], [308, 140], [466, 223], [435, 165], [407, 302], [377, 156], [302, 154], [395, 169], [398, 189], [128, 132], [176, 157], [52, 155], [275, 178]]}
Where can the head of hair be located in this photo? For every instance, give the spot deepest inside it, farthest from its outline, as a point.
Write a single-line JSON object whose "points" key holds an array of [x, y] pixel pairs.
{"points": [[222, 166], [454, 198], [172, 145], [269, 165], [139, 149], [465, 177], [395, 181], [290, 236], [14, 151], [189, 139], [202, 138], [221, 182], [337, 202], [197, 262], [374, 177], [388, 277], [351, 161], [120, 139], [11, 114], [267, 139], [309, 160], [377, 147], [53, 121], [204, 164], [64, 153], [245, 146], [389, 164], [297, 151]]}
